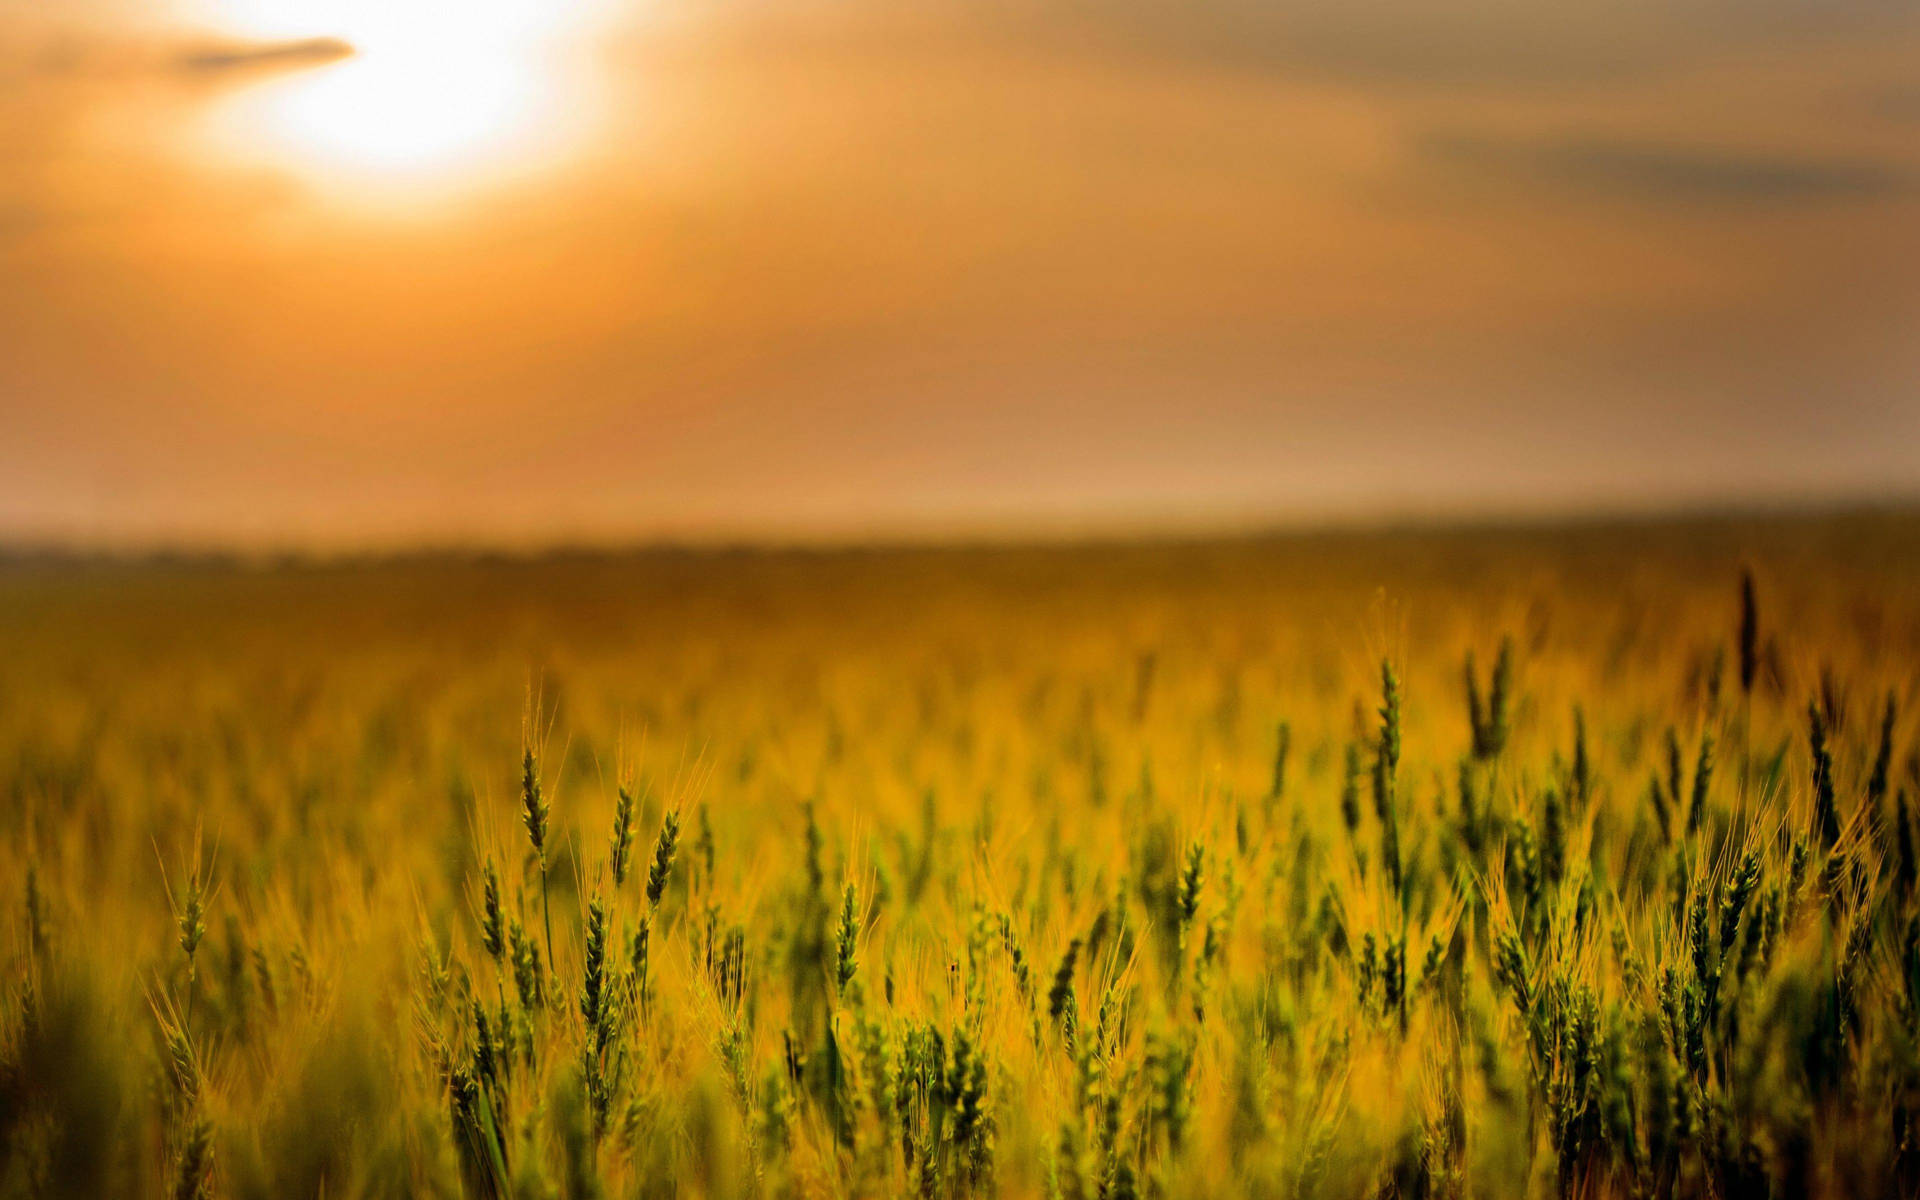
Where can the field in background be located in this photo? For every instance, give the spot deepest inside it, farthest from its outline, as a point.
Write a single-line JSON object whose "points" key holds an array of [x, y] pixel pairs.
{"points": [[1079, 872]]}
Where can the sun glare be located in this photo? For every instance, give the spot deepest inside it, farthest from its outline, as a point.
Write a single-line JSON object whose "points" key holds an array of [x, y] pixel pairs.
{"points": [[397, 112], [436, 96]]}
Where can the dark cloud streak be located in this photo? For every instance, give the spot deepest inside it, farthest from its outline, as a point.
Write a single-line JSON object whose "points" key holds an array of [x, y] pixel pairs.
{"points": [[1669, 173], [263, 56]]}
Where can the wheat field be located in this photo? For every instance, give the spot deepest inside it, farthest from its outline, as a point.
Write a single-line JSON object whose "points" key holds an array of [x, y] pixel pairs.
{"points": [[1498, 862]]}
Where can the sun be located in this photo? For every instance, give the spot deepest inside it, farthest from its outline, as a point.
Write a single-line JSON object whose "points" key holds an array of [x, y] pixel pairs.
{"points": [[435, 95], [398, 113]]}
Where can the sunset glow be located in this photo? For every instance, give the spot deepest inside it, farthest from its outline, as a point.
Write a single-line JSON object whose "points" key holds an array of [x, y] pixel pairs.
{"points": [[356, 272]]}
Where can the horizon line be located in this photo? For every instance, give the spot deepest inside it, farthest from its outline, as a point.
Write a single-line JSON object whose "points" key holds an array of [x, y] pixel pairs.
{"points": [[16, 549]]}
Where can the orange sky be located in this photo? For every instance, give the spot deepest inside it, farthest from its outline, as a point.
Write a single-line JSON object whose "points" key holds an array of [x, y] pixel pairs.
{"points": [[842, 266]]}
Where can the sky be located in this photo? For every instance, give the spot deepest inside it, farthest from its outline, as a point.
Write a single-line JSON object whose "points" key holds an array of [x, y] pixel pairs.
{"points": [[354, 273]]}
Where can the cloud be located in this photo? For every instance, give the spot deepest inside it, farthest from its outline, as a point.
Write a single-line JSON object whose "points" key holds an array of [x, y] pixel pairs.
{"points": [[222, 58], [1667, 172], [1897, 104], [1480, 46], [95, 59]]}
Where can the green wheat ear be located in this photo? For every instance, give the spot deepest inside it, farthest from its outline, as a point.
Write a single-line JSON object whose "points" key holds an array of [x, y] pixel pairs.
{"points": [[493, 934], [621, 843], [1877, 779], [1488, 722], [1386, 764], [1702, 783], [1060, 995], [1283, 743], [1826, 815], [1582, 766], [1389, 717], [1749, 633], [534, 809], [1187, 899], [638, 950], [37, 941], [534, 812], [189, 918], [1350, 792], [193, 1175], [664, 848], [845, 940]]}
